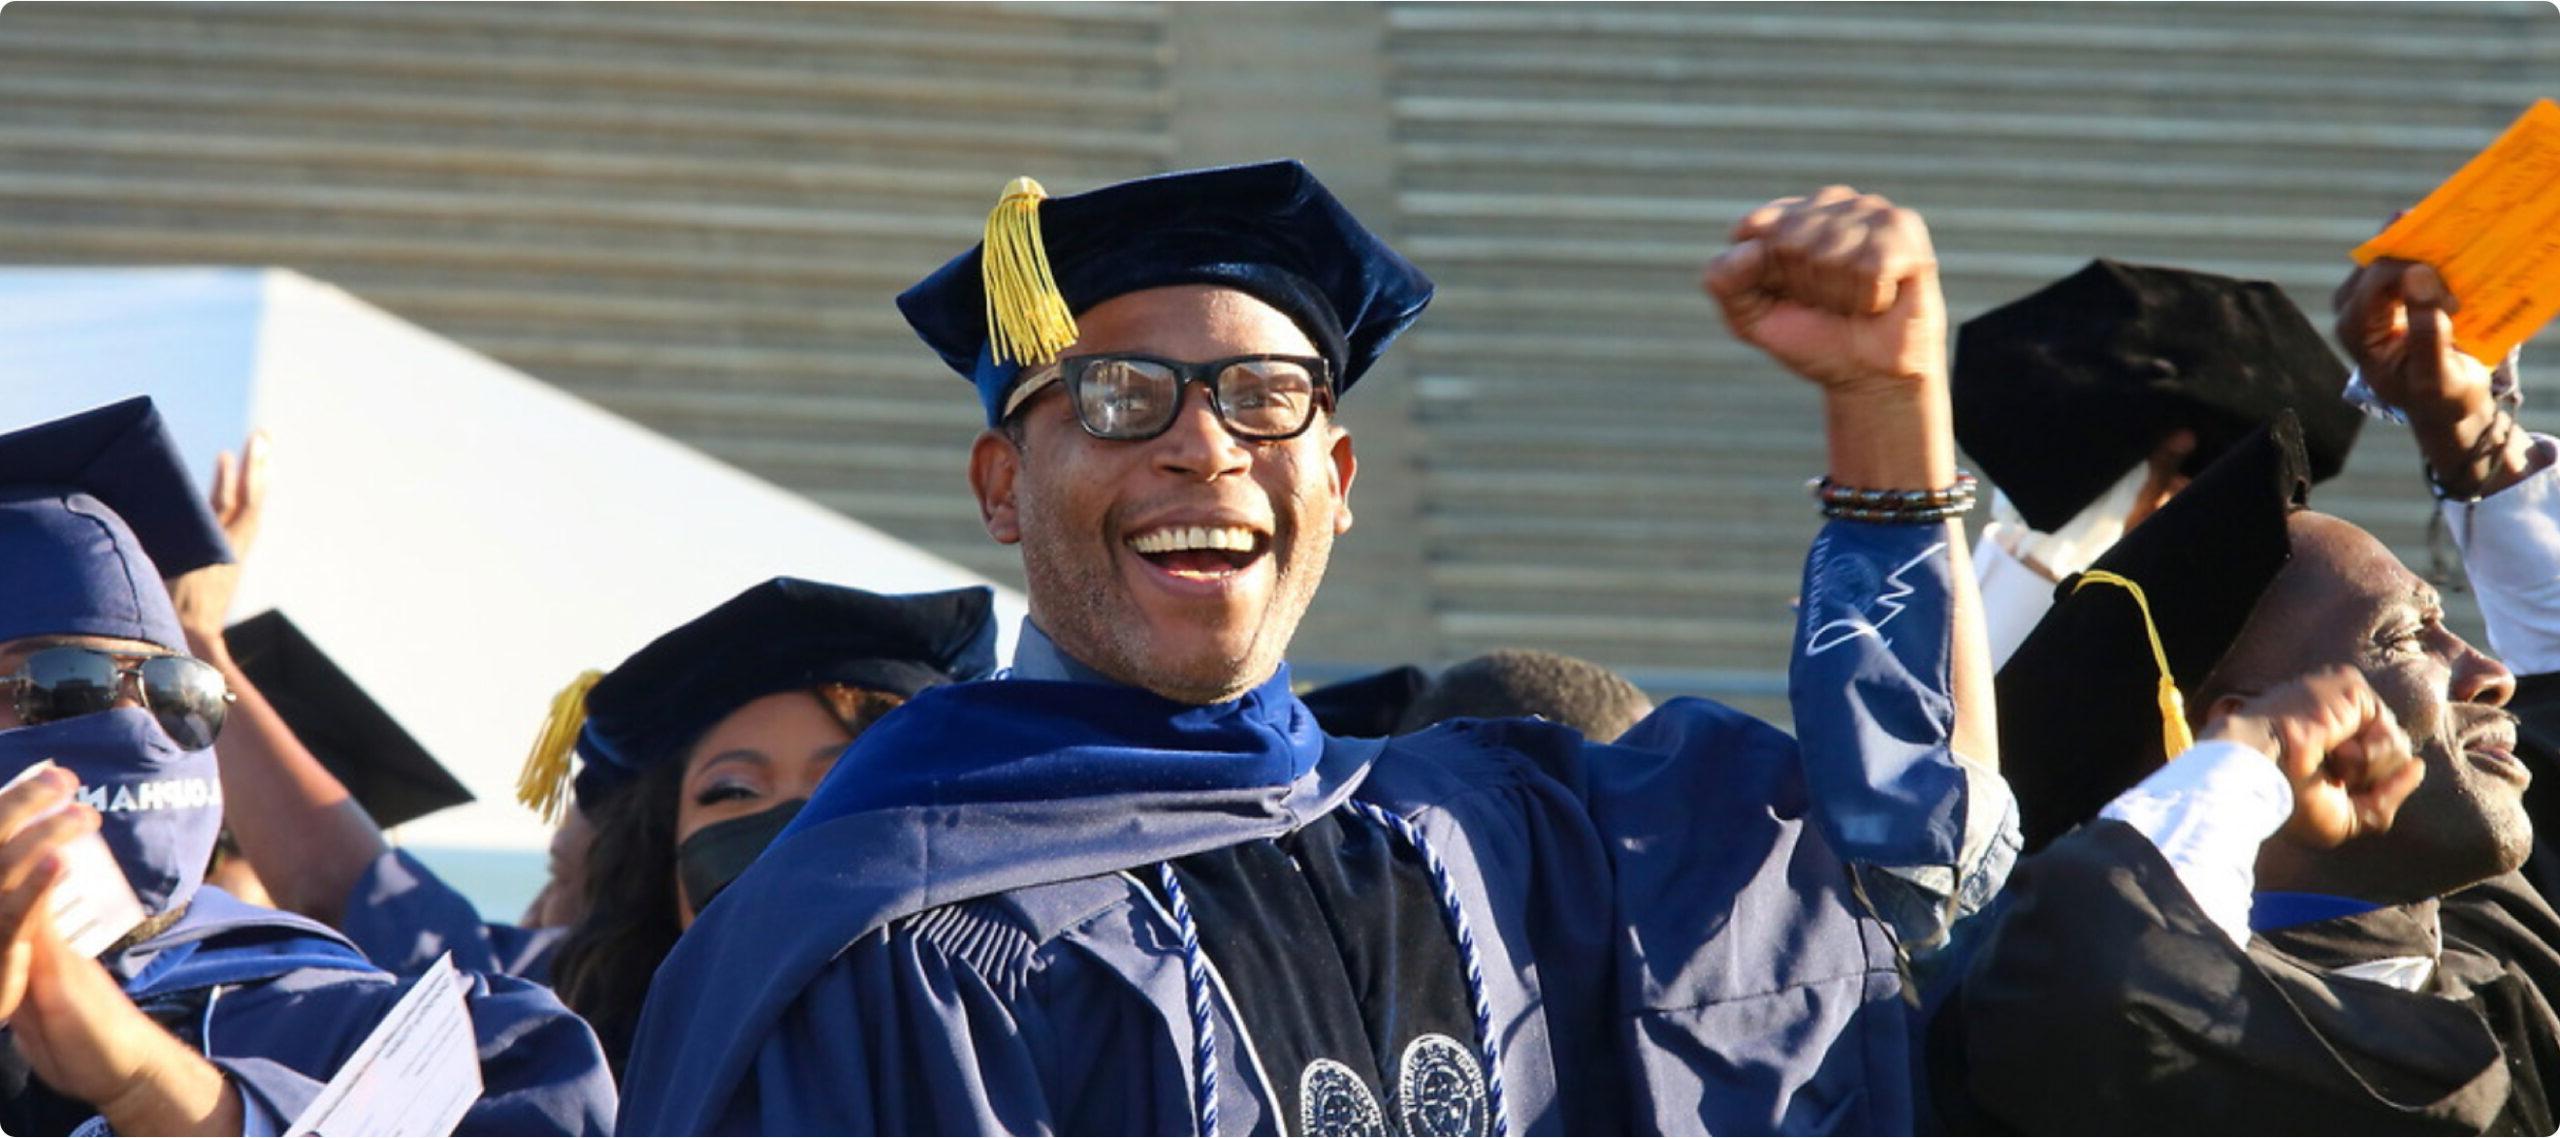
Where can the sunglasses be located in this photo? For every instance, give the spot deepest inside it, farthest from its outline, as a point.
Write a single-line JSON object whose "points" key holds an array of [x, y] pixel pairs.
{"points": [[186, 695], [1130, 398]]}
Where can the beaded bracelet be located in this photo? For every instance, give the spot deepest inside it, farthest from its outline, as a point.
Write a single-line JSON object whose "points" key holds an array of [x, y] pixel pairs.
{"points": [[1896, 507], [2502, 426]]}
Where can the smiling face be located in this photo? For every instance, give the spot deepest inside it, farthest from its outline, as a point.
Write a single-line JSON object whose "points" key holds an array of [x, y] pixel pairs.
{"points": [[2345, 599], [1181, 563]]}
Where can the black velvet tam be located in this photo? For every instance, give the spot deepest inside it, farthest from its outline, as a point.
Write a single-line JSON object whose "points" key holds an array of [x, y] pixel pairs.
{"points": [[784, 635], [2058, 394], [1270, 230], [390, 775], [2079, 703]]}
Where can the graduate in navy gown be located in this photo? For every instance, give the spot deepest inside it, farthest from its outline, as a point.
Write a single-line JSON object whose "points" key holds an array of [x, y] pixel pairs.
{"points": [[214, 1016], [1133, 888], [708, 741]]}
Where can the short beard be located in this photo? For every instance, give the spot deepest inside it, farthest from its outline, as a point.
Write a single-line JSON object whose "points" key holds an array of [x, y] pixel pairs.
{"points": [[1081, 628]]}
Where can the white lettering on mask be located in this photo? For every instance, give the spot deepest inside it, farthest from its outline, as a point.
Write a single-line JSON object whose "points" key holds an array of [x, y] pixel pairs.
{"points": [[141, 797]]}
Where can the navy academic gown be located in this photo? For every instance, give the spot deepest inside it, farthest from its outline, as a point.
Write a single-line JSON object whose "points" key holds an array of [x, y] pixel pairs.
{"points": [[278, 1002], [404, 917], [953, 937]]}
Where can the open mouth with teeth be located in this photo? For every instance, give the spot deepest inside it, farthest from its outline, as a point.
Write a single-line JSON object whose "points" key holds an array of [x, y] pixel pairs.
{"points": [[1200, 552]]}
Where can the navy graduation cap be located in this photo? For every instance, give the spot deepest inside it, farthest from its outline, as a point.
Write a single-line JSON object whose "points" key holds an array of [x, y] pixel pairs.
{"points": [[1270, 230], [2059, 393], [783, 635], [95, 511]]}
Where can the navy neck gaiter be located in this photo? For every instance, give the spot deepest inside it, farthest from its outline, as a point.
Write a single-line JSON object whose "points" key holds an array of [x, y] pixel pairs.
{"points": [[160, 808]]}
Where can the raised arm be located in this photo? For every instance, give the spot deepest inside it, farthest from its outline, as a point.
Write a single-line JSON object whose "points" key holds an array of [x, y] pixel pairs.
{"points": [[2498, 483], [295, 822], [1891, 677], [1842, 289]]}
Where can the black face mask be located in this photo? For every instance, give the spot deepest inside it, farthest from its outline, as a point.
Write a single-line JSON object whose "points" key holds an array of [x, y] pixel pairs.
{"points": [[716, 854]]}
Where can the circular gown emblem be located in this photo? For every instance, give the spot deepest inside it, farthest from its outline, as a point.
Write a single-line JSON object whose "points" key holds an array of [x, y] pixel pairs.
{"points": [[1334, 1103], [1440, 1089]]}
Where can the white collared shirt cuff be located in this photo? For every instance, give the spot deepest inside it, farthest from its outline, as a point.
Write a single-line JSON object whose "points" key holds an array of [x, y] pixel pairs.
{"points": [[2510, 544], [2207, 811]]}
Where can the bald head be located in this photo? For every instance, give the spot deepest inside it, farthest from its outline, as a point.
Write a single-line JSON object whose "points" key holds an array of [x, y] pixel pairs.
{"points": [[2344, 599]]}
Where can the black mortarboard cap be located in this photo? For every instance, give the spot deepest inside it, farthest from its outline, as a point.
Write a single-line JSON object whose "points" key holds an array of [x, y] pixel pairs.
{"points": [[779, 636], [1366, 707], [95, 510], [390, 775], [2059, 393], [1270, 230], [2080, 713]]}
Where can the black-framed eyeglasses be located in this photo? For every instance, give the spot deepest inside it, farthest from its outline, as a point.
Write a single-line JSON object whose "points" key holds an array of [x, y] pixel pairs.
{"points": [[185, 694], [1129, 397]]}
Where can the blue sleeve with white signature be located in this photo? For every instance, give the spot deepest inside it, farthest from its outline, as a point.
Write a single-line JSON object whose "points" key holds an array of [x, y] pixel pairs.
{"points": [[1869, 685]]}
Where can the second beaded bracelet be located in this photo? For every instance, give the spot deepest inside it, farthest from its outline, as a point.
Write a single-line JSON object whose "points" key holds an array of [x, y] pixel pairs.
{"points": [[1897, 507]]}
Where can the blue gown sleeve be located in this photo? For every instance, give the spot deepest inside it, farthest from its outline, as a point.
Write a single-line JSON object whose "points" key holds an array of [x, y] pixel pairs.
{"points": [[540, 1068], [404, 917], [272, 1095], [1875, 718]]}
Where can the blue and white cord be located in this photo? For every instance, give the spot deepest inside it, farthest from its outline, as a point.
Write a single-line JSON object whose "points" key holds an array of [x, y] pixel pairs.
{"points": [[1204, 1021], [1203, 1007], [1465, 935]]}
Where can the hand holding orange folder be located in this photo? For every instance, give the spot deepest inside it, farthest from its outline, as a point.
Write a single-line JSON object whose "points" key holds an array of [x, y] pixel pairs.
{"points": [[2493, 232]]}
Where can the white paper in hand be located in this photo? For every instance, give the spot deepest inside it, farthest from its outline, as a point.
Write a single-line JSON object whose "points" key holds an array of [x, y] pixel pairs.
{"points": [[415, 1075], [94, 906]]}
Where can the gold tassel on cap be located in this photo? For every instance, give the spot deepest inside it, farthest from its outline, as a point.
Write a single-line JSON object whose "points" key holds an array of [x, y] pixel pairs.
{"points": [[543, 785], [2175, 737], [1027, 320]]}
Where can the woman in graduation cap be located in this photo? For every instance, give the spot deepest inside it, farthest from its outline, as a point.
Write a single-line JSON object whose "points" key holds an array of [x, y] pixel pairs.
{"points": [[211, 1015], [705, 744]]}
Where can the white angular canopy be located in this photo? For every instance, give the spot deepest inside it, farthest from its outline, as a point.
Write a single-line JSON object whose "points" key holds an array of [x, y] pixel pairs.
{"points": [[461, 538]]}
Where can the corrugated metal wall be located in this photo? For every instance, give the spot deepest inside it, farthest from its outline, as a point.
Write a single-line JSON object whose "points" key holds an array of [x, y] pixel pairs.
{"points": [[696, 215], [1609, 474]]}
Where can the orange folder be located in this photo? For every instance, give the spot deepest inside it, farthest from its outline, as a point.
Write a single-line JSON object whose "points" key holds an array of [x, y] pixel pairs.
{"points": [[2493, 232]]}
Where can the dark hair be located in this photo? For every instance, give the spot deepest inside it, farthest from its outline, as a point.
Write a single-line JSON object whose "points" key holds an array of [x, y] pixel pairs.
{"points": [[604, 964], [1525, 681]]}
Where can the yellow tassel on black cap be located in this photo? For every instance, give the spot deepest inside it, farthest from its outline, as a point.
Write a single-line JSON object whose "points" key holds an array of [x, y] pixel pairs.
{"points": [[544, 783], [1027, 320], [2175, 737]]}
